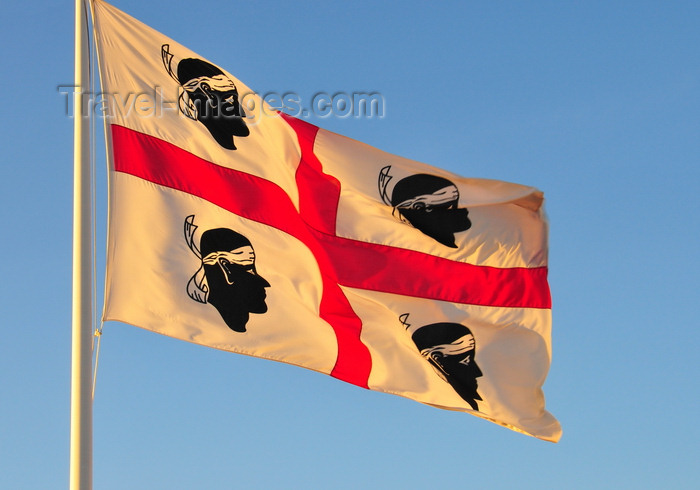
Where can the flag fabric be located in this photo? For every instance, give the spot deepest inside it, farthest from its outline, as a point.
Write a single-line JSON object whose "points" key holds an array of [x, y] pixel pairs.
{"points": [[253, 232]]}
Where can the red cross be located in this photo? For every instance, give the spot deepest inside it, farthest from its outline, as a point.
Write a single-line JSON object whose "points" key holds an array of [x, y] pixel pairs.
{"points": [[383, 268]]}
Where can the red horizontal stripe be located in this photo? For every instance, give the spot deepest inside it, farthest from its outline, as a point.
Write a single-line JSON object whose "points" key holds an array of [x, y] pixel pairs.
{"points": [[394, 270], [162, 163]]}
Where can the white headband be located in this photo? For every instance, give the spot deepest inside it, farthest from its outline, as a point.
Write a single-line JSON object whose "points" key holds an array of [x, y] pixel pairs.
{"points": [[459, 346], [242, 256], [442, 196], [220, 83]]}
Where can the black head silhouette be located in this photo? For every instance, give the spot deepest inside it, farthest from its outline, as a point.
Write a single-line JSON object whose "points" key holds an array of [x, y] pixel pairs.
{"points": [[429, 203], [450, 349], [208, 96], [234, 287], [215, 99]]}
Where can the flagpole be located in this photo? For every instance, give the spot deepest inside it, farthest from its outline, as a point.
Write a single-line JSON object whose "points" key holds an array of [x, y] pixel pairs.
{"points": [[81, 361]]}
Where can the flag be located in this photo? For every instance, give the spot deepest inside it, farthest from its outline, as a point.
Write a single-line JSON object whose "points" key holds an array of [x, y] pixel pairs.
{"points": [[237, 227]]}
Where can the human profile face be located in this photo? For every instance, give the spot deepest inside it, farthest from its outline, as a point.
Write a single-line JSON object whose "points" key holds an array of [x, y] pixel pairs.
{"points": [[220, 111], [245, 286], [211, 98], [450, 349], [248, 288], [430, 204], [233, 285]]}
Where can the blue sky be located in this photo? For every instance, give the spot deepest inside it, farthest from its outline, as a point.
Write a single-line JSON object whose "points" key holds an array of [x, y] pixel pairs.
{"points": [[595, 103]]}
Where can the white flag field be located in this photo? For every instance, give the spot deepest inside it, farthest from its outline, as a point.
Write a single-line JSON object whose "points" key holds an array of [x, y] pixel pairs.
{"points": [[244, 229]]}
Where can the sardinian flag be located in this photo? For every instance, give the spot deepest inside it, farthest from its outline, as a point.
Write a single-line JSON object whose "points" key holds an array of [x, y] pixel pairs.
{"points": [[243, 229]]}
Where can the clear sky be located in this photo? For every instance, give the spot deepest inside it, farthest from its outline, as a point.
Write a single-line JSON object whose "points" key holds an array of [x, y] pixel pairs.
{"points": [[596, 103]]}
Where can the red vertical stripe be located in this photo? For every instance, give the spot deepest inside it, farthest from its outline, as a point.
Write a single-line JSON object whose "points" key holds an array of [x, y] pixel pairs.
{"points": [[318, 192], [318, 206]]}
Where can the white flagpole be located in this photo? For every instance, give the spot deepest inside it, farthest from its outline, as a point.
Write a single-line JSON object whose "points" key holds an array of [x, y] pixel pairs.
{"points": [[81, 363]]}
